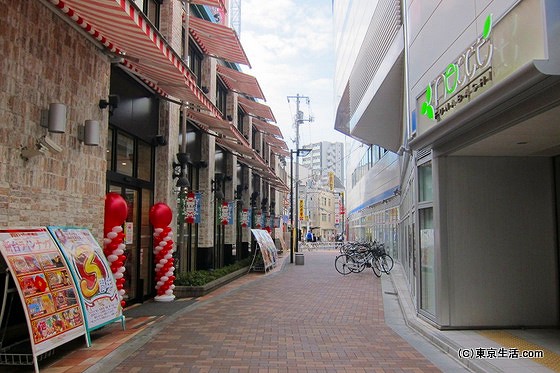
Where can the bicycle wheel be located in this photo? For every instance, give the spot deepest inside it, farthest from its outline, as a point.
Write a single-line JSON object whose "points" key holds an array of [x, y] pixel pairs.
{"points": [[376, 267], [341, 264], [357, 262], [386, 263]]}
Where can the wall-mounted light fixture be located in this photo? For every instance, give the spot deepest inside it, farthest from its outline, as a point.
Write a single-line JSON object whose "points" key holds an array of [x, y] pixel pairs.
{"points": [[180, 171], [239, 190], [54, 118], [112, 103], [264, 206], [89, 132], [159, 140], [218, 194]]}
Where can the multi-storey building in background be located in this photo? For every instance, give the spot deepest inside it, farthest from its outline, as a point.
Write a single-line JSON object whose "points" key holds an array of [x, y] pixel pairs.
{"points": [[453, 107], [172, 118], [325, 157]]}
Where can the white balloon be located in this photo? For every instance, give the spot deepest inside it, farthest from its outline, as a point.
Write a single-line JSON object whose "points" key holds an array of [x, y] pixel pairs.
{"points": [[168, 292], [111, 235], [164, 278], [117, 228], [118, 275], [162, 243], [169, 273], [112, 258], [121, 246], [172, 287], [121, 270], [122, 292], [167, 238], [159, 283], [106, 241], [168, 256], [172, 269], [118, 252], [163, 261], [159, 265]]}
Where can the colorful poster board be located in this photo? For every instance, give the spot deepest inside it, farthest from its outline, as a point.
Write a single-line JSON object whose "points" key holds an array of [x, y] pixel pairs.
{"points": [[91, 272], [267, 247], [45, 285]]}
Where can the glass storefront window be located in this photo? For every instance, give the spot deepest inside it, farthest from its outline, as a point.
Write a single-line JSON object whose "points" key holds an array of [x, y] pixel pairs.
{"points": [[125, 154], [109, 154], [425, 182], [427, 260], [144, 159]]}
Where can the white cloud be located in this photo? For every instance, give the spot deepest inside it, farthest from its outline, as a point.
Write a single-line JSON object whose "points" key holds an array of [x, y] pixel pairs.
{"points": [[291, 48]]}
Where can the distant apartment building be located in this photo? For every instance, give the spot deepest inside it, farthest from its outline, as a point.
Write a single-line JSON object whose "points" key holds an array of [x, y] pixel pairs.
{"points": [[324, 157]]}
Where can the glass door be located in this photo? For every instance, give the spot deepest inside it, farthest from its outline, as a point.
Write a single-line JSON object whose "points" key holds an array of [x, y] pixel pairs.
{"points": [[138, 241]]}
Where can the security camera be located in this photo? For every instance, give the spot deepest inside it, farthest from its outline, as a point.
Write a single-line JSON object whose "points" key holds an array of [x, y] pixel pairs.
{"points": [[49, 144], [28, 153]]}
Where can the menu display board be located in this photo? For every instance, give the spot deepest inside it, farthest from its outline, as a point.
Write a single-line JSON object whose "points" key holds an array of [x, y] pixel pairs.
{"points": [[45, 285], [268, 248], [91, 272]]}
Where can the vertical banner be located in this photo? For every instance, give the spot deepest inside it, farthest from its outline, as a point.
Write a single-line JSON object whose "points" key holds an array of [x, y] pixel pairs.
{"points": [[223, 213], [258, 220], [45, 285], [250, 217], [231, 212], [91, 272], [197, 207], [331, 181], [190, 206], [301, 210], [244, 218]]}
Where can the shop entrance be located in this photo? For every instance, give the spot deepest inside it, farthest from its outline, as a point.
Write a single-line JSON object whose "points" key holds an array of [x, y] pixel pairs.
{"points": [[138, 264]]}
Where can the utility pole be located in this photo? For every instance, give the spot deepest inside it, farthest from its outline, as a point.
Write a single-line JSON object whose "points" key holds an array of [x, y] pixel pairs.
{"points": [[298, 120]]}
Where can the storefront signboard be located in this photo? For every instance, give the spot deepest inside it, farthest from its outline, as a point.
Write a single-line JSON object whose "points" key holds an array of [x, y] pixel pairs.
{"points": [[462, 80], [91, 272], [46, 287]]}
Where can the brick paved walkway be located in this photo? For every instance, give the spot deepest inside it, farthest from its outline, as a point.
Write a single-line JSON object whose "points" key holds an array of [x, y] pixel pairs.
{"points": [[299, 319]]}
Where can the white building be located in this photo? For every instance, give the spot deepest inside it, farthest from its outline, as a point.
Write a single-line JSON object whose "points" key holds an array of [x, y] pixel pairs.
{"points": [[464, 96]]}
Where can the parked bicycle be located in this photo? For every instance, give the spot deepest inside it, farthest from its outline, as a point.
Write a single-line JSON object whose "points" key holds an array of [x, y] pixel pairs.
{"points": [[356, 256]]}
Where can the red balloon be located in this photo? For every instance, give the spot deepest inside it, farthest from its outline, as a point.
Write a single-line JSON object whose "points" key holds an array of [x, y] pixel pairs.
{"points": [[116, 211], [160, 215], [123, 303]]}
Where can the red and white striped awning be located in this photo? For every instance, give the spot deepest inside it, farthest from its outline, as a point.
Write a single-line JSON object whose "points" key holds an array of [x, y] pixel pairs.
{"points": [[240, 150], [279, 151], [218, 126], [240, 82], [256, 109], [125, 31], [217, 41], [273, 141], [216, 3], [267, 128]]}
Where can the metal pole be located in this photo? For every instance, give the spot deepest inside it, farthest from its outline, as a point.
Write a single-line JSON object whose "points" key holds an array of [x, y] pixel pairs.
{"points": [[298, 118], [292, 229]]}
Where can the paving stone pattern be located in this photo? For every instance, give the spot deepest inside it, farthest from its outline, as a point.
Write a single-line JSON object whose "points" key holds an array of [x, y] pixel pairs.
{"points": [[302, 318]]}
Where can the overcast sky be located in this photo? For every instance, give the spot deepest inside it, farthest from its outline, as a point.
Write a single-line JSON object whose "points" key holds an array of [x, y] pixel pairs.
{"points": [[290, 46]]}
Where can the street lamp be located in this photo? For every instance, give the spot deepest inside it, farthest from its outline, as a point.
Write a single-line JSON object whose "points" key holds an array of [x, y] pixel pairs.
{"points": [[294, 237]]}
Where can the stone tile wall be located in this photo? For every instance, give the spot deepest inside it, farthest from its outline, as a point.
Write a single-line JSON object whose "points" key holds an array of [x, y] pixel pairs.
{"points": [[43, 60]]}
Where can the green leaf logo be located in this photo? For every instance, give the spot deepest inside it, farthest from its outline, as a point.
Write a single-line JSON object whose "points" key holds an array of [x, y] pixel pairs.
{"points": [[487, 27], [427, 109]]}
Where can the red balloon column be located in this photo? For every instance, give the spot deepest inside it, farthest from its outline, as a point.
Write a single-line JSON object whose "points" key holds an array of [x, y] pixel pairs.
{"points": [[160, 217], [116, 211]]}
